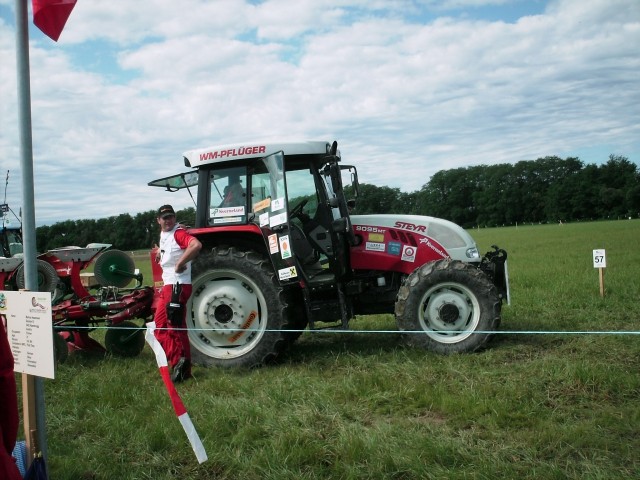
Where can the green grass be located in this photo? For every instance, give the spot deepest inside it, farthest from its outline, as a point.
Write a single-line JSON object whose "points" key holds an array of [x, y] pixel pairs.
{"points": [[534, 405]]}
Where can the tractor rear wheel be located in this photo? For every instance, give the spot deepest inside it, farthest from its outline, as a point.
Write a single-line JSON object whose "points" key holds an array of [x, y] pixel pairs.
{"points": [[237, 312], [452, 305]]}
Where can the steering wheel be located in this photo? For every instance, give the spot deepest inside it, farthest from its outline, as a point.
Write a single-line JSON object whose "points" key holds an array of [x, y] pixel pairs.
{"points": [[297, 210]]}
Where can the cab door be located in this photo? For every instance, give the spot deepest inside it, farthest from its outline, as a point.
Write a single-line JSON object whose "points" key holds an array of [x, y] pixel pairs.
{"points": [[270, 211]]}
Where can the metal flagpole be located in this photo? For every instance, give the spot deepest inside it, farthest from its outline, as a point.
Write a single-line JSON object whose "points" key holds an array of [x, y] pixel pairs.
{"points": [[28, 209]]}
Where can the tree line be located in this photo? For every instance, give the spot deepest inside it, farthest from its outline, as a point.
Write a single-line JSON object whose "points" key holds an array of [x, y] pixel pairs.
{"points": [[124, 231], [549, 189]]}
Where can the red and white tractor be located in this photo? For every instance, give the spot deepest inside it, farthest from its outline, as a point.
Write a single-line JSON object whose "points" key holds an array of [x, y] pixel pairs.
{"points": [[283, 253]]}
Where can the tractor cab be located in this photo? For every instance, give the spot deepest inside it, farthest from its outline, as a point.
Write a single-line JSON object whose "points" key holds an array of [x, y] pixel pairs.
{"points": [[11, 240], [291, 194], [10, 234]]}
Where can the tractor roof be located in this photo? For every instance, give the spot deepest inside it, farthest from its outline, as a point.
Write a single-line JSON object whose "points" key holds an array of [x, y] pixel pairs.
{"points": [[242, 151]]}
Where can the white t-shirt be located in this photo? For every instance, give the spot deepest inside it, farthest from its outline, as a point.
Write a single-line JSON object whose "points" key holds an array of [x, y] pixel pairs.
{"points": [[172, 245]]}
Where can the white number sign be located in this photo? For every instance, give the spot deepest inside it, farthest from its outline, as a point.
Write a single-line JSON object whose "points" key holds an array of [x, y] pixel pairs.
{"points": [[599, 259]]}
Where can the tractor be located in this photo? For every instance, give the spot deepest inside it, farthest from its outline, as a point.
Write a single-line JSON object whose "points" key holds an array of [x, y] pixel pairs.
{"points": [[283, 252]]}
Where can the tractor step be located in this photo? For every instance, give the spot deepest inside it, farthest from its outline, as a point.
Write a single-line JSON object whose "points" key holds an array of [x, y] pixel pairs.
{"points": [[327, 309]]}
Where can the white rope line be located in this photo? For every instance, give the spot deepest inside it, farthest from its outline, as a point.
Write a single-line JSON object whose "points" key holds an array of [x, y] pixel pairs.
{"points": [[340, 330]]}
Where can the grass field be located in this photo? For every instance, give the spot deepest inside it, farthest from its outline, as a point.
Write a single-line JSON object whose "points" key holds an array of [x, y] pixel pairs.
{"points": [[555, 396]]}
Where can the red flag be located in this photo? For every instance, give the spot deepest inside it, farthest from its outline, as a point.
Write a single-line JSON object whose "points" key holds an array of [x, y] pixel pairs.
{"points": [[50, 16]]}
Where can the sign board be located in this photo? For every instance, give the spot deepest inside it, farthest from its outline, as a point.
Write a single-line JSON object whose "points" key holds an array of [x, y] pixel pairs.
{"points": [[599, 259], [27, 319]]}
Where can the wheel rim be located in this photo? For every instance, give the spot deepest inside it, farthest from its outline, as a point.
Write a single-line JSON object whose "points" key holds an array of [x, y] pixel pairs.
{"points": [[449, 312], [227, 314]]}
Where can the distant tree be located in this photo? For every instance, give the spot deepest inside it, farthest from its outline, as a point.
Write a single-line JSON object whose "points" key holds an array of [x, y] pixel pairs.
{"points": [[617, 177], [563, 192], [372, 199]]}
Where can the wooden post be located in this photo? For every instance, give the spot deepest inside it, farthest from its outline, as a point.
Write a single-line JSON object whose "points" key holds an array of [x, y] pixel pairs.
{"points": [[29, 415], [601, 275]]}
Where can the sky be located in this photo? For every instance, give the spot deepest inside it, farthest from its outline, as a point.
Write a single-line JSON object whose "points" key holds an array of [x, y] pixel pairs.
{"points": [[406, 87]]}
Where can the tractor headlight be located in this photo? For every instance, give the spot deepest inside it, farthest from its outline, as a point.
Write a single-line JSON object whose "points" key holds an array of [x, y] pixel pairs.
{"points": [[473, 252]]}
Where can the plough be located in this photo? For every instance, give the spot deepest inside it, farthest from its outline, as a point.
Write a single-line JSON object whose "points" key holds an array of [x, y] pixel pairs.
{"points": [[78, 308]]}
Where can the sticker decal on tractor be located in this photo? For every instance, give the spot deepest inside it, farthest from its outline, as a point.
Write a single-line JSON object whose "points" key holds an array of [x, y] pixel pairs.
{"points": [[412, 227], [409, 253], [375, 246], [433, 247], [227, 211], [286, 273], [261, 205], [273, 243], [232, 152], [264, 219], [279, 219], [247, 323], [376, 237], [277, 204], [366, 228], [285, 248], [227, 220], [394, 248]]}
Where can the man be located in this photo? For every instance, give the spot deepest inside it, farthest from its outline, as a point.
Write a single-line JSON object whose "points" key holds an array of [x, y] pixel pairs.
{"points": [[9, 419], [233, 193], [177, 249]]}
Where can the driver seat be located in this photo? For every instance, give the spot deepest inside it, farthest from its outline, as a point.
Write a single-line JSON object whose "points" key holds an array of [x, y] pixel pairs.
{"points": [[302, 249]]}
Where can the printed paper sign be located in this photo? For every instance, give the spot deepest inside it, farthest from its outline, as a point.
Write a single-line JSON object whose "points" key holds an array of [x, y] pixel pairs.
{"points": [[599, 259], [27, 320], [264, 219]]}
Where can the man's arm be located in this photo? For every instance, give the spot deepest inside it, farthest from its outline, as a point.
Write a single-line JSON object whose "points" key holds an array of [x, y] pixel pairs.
{"points": [[191, 252]]}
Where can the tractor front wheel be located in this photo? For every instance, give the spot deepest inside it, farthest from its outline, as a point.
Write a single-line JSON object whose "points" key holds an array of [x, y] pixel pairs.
{"points": [[447, 307], [237, 314]]}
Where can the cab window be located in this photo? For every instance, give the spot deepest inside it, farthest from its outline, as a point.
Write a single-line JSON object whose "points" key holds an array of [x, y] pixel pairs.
{"points": [[228, 196]]}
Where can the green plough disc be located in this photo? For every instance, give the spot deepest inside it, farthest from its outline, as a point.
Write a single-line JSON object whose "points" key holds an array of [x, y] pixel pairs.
{"points": [[114, 268]]}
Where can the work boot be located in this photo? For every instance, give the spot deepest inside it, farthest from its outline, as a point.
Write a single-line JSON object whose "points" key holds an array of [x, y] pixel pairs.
{"points": [[182, 370]]}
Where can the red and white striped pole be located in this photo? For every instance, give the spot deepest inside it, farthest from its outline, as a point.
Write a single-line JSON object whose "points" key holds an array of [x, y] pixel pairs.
{"points": [[178, 406]]}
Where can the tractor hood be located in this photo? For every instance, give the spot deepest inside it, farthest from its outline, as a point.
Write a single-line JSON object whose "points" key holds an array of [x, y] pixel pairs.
{"points": [[443, 237]]}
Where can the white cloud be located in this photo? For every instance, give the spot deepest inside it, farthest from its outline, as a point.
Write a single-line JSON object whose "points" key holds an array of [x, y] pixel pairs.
{"points": [[131, 85]]}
